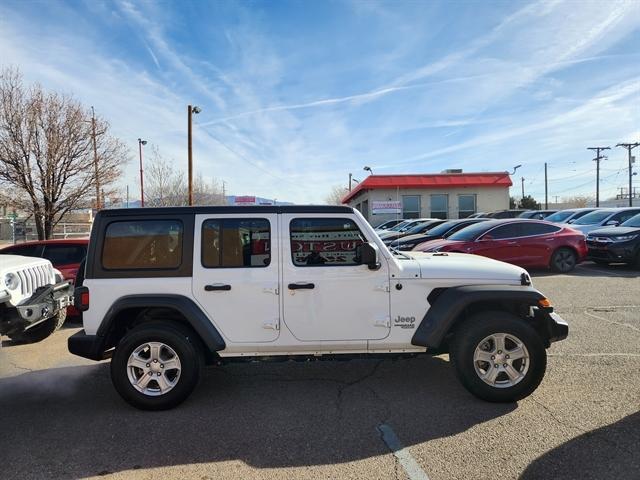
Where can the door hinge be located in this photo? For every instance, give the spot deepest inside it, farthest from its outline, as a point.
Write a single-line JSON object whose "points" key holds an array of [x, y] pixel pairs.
{"points": [[383, 322], [383, 288], [271, 325]]}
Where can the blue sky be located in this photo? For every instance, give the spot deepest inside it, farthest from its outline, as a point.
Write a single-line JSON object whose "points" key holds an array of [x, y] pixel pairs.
{"points": [[295, 95]]}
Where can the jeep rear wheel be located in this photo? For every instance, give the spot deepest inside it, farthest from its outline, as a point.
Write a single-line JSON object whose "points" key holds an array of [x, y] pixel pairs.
{"points": [[498, 356], [156, 366]]}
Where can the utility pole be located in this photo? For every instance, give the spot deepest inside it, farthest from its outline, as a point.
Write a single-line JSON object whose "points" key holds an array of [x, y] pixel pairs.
{"points": [[95, 157], [556, 197], [190, 111], [546, 188], [597, 160], [350, 176], [522, 180], [629, 147]]}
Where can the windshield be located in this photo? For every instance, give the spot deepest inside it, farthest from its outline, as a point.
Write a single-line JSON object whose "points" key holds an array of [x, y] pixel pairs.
{"points": [[442, 228], [418, 228], [400, 225], [632, 222], [593, 217], [471, 232], [560, 216]]}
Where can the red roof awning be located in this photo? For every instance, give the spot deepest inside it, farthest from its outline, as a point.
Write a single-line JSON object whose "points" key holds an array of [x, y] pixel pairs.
{"points": [[435, 180]]}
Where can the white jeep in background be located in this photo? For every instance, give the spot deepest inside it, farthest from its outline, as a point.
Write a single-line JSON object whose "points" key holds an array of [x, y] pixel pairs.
{"points": [[167, 289], [33, 298]]}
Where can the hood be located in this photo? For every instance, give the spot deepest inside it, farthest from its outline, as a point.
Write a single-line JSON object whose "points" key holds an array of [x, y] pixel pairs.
{"points": [[581, 228], [387, 234], [12, 262], [614, 231], [466, 268]]}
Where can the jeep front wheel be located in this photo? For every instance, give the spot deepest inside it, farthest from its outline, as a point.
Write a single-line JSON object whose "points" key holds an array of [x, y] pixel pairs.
{"points": [[156, 366], [498, 356]]}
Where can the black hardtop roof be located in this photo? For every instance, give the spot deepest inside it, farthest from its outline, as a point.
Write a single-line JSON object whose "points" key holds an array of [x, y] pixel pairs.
{"points": [[222, 209]]}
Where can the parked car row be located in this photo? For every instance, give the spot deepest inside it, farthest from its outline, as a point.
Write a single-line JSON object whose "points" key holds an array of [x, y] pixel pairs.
{"points": [[557, 242]]}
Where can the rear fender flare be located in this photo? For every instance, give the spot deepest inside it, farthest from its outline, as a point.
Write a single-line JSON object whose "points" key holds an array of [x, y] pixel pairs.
{"points": [[193, 314]]}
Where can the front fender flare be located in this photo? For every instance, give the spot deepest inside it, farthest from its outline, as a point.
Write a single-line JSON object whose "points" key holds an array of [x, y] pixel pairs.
{"points": [[448, 306]]}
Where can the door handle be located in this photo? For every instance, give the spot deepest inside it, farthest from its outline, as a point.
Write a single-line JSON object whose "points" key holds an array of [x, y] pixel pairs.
{"points": [[301, 286], [217, 286]]}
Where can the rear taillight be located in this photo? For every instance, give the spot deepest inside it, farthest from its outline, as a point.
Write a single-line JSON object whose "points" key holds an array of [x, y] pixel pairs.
{"points": [[81, 299]]}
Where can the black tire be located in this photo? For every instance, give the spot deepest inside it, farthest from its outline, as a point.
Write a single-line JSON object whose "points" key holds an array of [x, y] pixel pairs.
{"points": [[42, 330], [186, 346], [563, 260], [472, 331], [636, 263]]}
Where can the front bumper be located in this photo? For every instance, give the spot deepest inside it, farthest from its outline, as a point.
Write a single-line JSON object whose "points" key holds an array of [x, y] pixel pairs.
{"points": [[624, 252], [42, 305], [558, 328]]}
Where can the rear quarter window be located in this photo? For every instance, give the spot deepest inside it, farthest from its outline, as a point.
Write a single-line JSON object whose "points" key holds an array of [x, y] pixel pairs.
{"points": [[143, 245]]}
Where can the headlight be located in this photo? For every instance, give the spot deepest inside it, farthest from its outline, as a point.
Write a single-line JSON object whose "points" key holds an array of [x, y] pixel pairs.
{"points": [[624, 238], [11, 281]]}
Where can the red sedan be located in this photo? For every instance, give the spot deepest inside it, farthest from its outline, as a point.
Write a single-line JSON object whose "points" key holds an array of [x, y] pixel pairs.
{"points": [[527, 243]]}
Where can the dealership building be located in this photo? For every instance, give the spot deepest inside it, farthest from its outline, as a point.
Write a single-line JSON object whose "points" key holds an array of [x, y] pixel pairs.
{"points": [[450, 194]]}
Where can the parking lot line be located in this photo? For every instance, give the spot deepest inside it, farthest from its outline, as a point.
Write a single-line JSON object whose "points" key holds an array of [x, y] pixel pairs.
{"points": [[409, 464], [613, 322]]}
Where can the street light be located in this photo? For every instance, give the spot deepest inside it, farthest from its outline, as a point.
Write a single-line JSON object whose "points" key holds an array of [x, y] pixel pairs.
{"points": [[140, 144], [368, 169], [514, 169], [190, 110]]}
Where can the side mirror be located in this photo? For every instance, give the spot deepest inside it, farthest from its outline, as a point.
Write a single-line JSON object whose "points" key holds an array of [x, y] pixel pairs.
{"points": [[613, 223], [367, 254]]}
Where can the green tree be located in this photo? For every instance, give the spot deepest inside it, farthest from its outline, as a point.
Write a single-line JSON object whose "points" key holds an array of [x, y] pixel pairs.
{"points": [[529, 202]]}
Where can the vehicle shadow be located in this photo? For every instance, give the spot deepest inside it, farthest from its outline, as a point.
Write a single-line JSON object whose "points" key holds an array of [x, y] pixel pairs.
{"points": [[608, 452], [69, 422], [590, 269]]}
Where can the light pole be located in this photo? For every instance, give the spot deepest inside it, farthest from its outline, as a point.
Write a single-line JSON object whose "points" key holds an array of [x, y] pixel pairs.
{"points": [[368, 169], [514, 169], [190, 111], [140, 144]]}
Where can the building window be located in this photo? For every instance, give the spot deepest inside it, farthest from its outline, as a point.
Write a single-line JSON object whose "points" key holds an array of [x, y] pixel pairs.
{"points": [[411, 206], [142, 244], [440, 206], [365, 209], [234, 243], [466, 205], [324, 242]]}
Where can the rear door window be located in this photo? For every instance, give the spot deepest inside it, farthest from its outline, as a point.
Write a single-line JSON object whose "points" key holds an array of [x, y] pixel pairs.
{"points": [[531, 229], [511, 230], [235, 243]]}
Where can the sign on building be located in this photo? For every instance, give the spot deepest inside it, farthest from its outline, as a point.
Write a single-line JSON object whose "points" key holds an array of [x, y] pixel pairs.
{"points": [[379, 208]]}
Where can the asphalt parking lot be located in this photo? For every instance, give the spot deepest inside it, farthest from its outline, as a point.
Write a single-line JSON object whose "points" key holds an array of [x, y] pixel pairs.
{"points": [[61, 418]]}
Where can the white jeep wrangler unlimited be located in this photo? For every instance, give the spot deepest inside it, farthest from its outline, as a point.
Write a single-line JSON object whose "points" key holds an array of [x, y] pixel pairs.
{"points": [[33, 298], [167, 289]]}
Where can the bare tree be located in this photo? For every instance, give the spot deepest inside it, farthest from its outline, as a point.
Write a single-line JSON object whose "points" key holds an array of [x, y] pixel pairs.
{"points": [[46, 151], [166, 186], [577, 201], [335, 196]]}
